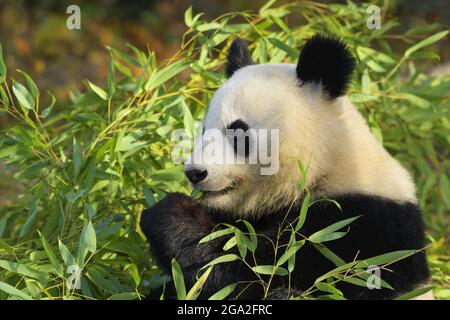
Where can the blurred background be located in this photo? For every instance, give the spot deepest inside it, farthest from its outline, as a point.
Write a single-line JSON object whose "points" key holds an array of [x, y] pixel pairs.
{"points": [[35, 39]]}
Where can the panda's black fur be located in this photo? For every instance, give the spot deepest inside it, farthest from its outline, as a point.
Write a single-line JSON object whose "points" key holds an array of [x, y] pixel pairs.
{"points": [[174, 225], [326, 60], [238, 57]]}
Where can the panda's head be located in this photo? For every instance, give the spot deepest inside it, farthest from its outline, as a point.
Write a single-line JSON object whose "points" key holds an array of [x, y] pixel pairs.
{"points": [[299, 106]]}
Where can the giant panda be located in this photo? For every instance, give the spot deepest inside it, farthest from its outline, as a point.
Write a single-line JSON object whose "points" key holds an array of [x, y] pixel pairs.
{"points": [[320, 127]]}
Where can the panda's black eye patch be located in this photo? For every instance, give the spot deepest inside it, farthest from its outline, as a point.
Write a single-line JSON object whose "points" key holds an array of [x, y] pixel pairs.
{"points": [[238, 124], [235, 138]]}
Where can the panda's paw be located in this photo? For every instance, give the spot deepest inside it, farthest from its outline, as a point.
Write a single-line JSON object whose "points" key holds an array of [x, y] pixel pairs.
{"points": [[172, 211]]}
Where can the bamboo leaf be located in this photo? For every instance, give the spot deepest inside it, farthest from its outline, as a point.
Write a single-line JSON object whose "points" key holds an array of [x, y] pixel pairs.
{"points": [[224, 292], [222, 259], [428, 41], [14, 291], [328, 233], [414, 293], [178, 279], [23, 96], [99, 91], [2, 66], [51, 255], [216, 234], [197, 287]]}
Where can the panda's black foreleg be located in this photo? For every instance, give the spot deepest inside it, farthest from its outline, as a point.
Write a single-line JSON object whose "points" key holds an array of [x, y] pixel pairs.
{"points": [[174, 226]]}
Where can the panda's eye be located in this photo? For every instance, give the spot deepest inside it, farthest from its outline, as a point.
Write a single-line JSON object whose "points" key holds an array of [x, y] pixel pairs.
{"points": [[238, 124]]}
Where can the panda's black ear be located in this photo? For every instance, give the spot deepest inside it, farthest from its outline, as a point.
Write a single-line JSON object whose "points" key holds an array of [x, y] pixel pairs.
{"points": [[327, 61], [238, 56]]}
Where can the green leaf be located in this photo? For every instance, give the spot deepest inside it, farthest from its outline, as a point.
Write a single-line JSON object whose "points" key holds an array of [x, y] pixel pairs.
{"points": [[363, 274], [328, 233], [14, 291], [6, 247], [100, 278], [66, 254], [2, 66], [90, 237], [269, 270], [328, 237], [178, 279], [386, 258], [23, 269], [23, 96], [292, 52], [148, 195], [30, 83], [188, 17], [230, 244], [224, 292], [159, 77], [51, 255], [134, 271], [414, 99], [99, 91], [303, 211], [444, 186], [325, 287], [265, 7], [428, 41], [414, 293], [197, 287], [207, 26], [252, 234], [353, 280], [126, 58], [123, 296], [329, 254], [188, 120], [304, 174], [47, 110], [3, 222], [337, 270], [31, 219], [216, 234], [222, 259], [241, 242], [292, 250], [76, 157], [4, 99]]}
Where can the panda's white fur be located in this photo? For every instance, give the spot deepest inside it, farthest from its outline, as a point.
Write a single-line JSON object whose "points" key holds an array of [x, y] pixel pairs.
{"points": [[329, 135]]}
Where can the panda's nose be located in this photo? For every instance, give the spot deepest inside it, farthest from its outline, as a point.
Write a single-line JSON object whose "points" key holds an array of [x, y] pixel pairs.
{"points": [[195, 175]]}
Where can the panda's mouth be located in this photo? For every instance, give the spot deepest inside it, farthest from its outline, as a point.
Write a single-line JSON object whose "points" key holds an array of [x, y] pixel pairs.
{"points": [[217, 193], [224, 191]]}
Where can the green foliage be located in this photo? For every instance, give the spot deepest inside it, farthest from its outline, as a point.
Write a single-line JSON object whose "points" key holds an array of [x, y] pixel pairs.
{"points": [[89, 169]]}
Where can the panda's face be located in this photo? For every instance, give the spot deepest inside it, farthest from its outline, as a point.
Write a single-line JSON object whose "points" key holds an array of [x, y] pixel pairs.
{"points": [[266, 120], [253, 103]]}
